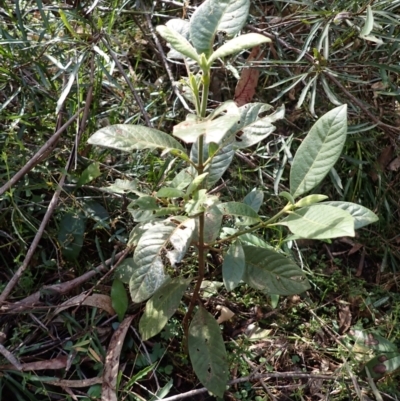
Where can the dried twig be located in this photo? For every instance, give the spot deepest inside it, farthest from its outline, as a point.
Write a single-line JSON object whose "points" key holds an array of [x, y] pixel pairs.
{"points": [[283, 375], [40, 155], [33, 300]]}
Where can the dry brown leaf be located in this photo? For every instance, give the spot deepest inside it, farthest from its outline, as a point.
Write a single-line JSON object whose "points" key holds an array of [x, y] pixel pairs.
{"points": [[394, 165], [111, 365], [100, 301], [225, 315], [246, 86], [344, 318], [356, 247]]}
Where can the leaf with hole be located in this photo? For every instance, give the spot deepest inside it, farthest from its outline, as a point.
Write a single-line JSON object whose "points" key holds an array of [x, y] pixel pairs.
{"points": [[149, 273], [320, 221], [245, 214], [319, 151], [207, 352], [161, 306], [273, 273]]}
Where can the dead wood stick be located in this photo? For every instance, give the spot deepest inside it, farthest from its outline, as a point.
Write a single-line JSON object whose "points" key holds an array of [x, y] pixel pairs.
{"points": [[38, 157], [33, 300]]}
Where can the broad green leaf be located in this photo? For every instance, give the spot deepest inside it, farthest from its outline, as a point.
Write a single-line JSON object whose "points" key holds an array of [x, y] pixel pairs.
{"points": [[250, 128], [238, 44], [149, 274], [97, 212], [161, 306], [123, 187], [287, 196], [119, 298], [320, 222], [182, 27], [124, 270], [226, 16], [219, 164], [178, 42], [213, 130], [233, 266], [170, 193], [381, 365], [183, 179], [180, 240], [71, 233], [319, 151], [251, 239], [207, 352], [196, 183], [196, 205], [254, 199], [310, 200], [212, 223], [245, 214], [271, 272], [362, 216], [369, 23], [90, 173], [127, 137]]}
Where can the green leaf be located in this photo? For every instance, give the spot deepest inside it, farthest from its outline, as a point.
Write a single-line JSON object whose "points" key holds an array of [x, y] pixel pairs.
{"points": [[213, 130], [320, 222], [178, 42], [71, 233], [161, 306], [181, 239], [319, 151], [170, 193], [369, 23], [182, 27], [212, 223], [251, 239], [233, 266], [362, 216], [245, 214], [310, 200], [207, 352], [124, 270], [95, 211], [149, 274], [273, 273], [254, 199], [90, 173], [196, 205], [227, 16], [219, 164], [196, 183], [119, 298], [251, 127], [287, 196], [183, 178], [238, 44], [127, 137]]}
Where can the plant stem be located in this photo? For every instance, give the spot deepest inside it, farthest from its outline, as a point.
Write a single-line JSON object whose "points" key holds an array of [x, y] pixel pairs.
{"points": [[201, 246]]}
